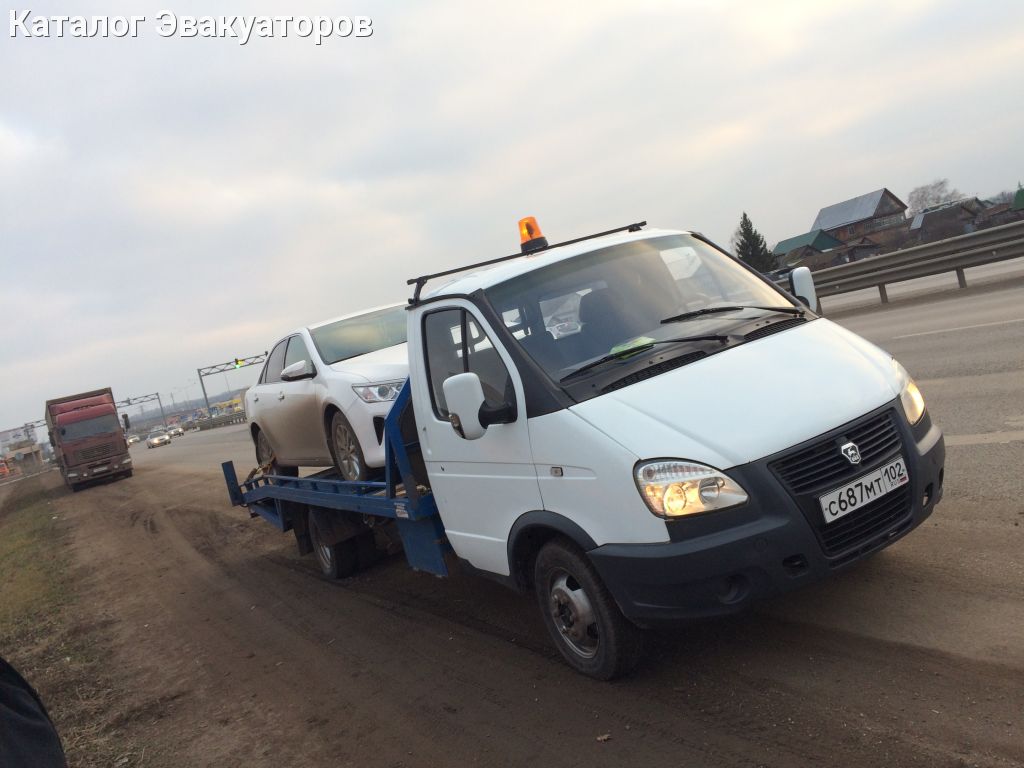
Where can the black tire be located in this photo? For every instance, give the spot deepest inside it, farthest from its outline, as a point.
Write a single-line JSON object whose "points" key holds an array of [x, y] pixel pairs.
{"points": [[265, 456], [345, 449], [337, 561], [583, 620]]}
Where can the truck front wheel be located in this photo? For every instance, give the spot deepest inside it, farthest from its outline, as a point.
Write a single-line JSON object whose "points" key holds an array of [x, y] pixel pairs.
{"points": [[583, 620], [337, 561]]}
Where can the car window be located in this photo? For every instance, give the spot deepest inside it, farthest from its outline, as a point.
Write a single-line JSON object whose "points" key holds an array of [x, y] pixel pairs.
{"points": [[360, 335], [275, 364], [455, 343], [297, 351]]}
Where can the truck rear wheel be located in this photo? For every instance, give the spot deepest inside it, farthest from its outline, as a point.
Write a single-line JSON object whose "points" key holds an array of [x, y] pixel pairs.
{"points": [[337, 561], [583, 620]]}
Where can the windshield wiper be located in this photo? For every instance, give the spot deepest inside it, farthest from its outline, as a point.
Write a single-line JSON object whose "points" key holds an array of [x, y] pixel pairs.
{"points": [[734, 308], [624, 353]]}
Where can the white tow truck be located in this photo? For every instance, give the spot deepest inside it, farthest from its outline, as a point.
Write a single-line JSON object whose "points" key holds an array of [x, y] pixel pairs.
{"points": [[587, 420]]}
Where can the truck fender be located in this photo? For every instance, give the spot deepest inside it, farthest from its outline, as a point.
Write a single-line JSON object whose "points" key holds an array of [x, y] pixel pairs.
{"points": [[530, 532]]}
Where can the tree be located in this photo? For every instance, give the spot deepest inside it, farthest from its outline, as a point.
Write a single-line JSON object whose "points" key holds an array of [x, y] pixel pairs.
{"points": [[750, 247], [927, 195]]}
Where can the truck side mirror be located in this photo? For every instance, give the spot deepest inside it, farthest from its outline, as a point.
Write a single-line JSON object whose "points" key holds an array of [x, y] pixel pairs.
{"points": [[127, 422], [801, 285], [465, 397]]}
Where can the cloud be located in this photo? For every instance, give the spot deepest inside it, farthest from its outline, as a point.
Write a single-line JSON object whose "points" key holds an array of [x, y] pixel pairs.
{"points": [[168, 204]]}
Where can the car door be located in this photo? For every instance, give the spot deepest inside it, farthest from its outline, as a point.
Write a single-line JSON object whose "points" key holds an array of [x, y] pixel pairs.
{"points": [[482, 486], [299, 404], [262, 397], [290, 413]]}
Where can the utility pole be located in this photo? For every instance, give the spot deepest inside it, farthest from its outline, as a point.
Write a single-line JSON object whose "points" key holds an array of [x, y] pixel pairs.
{"points": [[199, 374]]}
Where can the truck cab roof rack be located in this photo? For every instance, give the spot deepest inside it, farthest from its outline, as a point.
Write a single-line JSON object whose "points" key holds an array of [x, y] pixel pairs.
{"points": [[419, 282]]}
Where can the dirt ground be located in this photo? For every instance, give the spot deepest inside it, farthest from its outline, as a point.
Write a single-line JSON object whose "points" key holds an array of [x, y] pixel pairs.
{"points": [[223, 648]]}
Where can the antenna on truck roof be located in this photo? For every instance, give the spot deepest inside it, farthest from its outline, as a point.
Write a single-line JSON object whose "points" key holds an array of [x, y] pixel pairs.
{"points": [[532, 242]]}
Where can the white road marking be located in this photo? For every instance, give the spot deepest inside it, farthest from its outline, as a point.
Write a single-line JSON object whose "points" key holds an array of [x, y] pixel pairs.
{"points": [[957, 328], [986, 438]]}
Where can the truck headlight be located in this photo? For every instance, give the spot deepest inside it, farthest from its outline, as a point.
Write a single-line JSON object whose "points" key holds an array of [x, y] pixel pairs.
{"points": [[910, 396], [378, 393], [676, 488]]}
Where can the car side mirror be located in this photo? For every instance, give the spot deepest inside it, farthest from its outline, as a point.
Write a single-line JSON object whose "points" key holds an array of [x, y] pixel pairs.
{"points": [[298, 371], [465, 398], [801, 285]]}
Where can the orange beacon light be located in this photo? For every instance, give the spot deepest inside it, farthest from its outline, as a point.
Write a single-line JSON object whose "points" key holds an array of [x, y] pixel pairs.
{"points": [[530, 237]]}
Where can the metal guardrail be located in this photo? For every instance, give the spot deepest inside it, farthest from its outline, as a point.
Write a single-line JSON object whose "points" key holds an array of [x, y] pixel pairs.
{"points": [[221, 421], [954, 254]]}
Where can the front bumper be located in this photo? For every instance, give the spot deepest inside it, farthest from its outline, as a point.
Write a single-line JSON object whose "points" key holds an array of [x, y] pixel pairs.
{"points": [[719, 563]]}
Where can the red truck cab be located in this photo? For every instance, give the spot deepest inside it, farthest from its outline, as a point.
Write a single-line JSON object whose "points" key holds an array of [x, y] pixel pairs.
{"points": [[87, 438]]}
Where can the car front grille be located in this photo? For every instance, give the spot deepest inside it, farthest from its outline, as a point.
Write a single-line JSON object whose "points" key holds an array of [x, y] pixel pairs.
{"points": [[866, 523], [815, 470], [823, 464], [96, 452]]}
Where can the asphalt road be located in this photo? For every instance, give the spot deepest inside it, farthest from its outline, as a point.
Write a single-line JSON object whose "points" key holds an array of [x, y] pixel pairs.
{"points": [[238, 653]]}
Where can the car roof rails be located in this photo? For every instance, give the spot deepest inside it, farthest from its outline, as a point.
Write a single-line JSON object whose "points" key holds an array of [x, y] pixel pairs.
{"points": [[420, 281]]}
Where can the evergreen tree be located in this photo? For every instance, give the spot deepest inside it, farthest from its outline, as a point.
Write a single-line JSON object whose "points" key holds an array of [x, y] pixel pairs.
{"points": [[750, 247]]}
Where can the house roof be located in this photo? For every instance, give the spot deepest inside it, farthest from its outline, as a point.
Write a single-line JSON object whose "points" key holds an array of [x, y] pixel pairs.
{"points": [[817, 239], [876, 203]]}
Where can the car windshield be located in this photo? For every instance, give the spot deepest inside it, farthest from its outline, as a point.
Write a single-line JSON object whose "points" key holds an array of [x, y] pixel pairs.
{"points": [[360, 335], [636, 294], [100, 425], [157, 434]]}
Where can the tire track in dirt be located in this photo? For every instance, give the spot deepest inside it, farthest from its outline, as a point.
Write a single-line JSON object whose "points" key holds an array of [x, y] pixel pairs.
{"points": [[233, 653]]}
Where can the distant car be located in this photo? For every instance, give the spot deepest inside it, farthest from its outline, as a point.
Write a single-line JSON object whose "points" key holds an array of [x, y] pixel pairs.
{"points": [[325, 390], [176, 432], [156, 439], [133, 439]]}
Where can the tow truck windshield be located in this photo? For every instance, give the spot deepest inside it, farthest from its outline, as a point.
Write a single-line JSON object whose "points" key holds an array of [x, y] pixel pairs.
{"points": [[615, 303]]}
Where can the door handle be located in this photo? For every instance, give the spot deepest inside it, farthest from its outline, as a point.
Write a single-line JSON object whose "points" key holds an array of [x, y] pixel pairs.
{"points": [[280, 396], [256, 398]]}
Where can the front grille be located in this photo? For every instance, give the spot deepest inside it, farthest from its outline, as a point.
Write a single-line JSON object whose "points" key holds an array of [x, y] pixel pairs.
{"points": [[820, 468], [768, 330], [96, 452], [866, 523], [654, 370], [822, 465]]}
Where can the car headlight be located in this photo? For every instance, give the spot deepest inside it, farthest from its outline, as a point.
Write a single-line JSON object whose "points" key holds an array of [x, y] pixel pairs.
{"points": [[910, 396], [378, 393], [675, 488]]}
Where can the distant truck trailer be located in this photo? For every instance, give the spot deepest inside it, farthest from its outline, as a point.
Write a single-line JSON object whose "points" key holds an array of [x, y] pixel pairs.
{"points": [[87, 437]]}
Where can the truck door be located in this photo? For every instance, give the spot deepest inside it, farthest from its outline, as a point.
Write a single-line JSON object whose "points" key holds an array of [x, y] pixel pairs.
{"points": [[482, 486]]}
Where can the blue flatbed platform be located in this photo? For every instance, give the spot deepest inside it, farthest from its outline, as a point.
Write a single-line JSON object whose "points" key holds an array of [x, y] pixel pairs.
{"points": [[278, 499]]}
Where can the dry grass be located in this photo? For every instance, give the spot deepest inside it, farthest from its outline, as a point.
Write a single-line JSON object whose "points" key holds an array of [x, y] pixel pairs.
{"points": [[44, 637]]}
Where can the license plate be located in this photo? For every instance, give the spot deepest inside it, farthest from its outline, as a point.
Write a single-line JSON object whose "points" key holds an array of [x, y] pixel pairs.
{"points": [[104, 468], [865, 489]]}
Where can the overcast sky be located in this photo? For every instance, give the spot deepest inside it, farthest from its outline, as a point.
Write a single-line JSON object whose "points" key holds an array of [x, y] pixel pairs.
{"points": [[167, 204]]}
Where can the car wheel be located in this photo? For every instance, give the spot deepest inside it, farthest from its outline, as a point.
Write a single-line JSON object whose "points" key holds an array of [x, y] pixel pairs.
{"points": [[583, 620], [345, 449], [265, 456], [336, 560]]}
